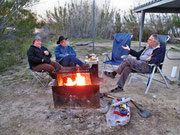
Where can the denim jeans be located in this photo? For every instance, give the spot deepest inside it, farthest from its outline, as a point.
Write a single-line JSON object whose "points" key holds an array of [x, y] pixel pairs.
{"points": [[70, 61]]}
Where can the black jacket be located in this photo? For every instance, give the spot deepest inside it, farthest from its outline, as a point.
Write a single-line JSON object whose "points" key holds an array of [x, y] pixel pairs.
{"points": [[157, 55], [36, 55]]}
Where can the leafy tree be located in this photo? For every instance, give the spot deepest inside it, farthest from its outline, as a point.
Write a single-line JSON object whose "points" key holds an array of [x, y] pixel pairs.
{"points": [[118, 23], [75, 20], [105, 23], [72, 20], [10, 10], [176, 24], [17, 25], [131, 24]]}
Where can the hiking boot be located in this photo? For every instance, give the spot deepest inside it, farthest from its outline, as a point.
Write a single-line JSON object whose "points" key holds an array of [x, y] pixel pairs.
{"points": [[117, 89], [110, 74]]}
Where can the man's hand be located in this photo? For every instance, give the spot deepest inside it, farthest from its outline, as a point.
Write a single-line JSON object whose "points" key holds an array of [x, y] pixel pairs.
{"points": [[46, 53], [149, 58], [126, 47]]}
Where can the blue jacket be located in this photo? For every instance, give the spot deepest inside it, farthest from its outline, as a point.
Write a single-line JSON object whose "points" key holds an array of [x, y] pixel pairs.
{"points": [[61, 52], [157, 55]]}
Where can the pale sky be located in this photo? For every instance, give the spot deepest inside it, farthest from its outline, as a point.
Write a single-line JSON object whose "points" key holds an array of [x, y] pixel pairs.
{"points": [[41, 7]]}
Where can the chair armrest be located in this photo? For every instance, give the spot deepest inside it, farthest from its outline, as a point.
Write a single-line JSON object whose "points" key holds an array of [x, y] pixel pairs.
{"points": [[168, 38], [175, 48], [106, 56], [106, 53], [124, 56], [155, 64], [151, 65]]}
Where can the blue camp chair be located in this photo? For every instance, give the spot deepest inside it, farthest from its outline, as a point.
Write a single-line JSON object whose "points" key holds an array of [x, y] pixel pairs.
{"points": [[41, 76], [117, 51], [154, 68]]}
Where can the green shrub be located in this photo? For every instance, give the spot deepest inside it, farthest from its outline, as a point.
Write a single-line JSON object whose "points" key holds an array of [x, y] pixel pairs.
{"points": [[13, 52]]}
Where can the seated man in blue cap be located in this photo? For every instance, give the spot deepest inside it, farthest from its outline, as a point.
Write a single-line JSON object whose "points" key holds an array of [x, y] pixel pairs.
{"points": [[66, 55]]}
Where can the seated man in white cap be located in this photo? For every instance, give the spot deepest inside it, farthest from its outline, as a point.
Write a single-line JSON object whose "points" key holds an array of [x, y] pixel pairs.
{"points": [[39, 58], [153, 53]]}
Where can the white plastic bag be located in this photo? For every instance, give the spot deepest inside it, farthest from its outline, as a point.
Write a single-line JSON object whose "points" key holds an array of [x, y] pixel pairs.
{"points": [[115, 116]]}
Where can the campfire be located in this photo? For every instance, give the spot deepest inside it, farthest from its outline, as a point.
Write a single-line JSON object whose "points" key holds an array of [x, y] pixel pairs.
{"points": [[76, 79], [76, 88]]}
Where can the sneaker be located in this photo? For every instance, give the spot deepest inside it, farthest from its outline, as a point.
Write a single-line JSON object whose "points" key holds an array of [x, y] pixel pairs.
{"points": [[101, 95], [117, 89], [110, 74]]}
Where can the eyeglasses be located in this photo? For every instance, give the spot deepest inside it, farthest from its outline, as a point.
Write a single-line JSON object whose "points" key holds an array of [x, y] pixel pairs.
{"points": [[150, 40]]}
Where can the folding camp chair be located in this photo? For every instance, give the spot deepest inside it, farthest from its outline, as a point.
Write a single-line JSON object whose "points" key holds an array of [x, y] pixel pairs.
{"points": [[41, 76], [173, 58], [117, 50], [154, 68]]}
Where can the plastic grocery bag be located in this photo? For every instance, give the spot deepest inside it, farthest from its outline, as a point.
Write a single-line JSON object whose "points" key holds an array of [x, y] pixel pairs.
{"points": [[120, 114]]}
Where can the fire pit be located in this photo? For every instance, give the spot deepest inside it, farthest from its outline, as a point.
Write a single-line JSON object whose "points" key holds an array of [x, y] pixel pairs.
{"points": [[76, 88]]}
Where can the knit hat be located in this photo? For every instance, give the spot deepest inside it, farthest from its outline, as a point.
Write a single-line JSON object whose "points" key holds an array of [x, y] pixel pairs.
{"points": [[37, 37]]}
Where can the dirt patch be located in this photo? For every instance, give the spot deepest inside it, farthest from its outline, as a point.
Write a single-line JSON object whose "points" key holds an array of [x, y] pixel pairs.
{"points": [[27, 109]]}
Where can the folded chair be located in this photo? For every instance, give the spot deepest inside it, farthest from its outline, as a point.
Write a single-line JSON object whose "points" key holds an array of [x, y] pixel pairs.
{"points": [[173, 58], [154, 68], [41, 76], [117, 51]]}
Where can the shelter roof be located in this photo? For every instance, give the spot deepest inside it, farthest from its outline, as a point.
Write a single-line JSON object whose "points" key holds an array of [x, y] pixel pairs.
{"points": [[160, 6]]}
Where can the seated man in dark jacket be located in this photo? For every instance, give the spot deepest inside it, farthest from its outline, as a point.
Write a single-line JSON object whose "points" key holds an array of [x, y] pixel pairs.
{"points": [[153, 53], [39, 58], [66, 55]]}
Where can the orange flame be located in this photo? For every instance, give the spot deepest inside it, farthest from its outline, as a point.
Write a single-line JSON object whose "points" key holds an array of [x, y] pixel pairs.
{"points": [[79, 81]]}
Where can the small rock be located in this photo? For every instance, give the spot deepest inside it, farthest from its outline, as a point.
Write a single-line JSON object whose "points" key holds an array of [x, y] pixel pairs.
{"points": [[47, 117], [67, 127], [64, 117], [81, 120]]}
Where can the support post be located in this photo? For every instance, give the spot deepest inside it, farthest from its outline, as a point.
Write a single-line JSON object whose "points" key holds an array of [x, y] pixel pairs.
{"points": [[141, 28], [93, 23]]}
